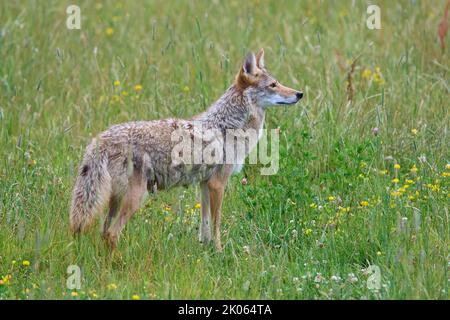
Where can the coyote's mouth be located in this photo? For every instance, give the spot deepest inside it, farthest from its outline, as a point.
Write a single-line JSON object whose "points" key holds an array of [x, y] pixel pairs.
{"points": [[287, 103]]}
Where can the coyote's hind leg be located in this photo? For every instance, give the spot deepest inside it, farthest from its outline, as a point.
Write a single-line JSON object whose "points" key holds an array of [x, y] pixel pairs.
{"points": [[114, 206], [137, 188]]}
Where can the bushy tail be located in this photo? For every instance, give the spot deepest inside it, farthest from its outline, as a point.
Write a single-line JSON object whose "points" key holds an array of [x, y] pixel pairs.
{"points": [[92, 188]]}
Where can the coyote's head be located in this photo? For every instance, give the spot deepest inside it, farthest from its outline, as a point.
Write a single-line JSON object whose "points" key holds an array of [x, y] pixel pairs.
{"points": [[263, 89]]}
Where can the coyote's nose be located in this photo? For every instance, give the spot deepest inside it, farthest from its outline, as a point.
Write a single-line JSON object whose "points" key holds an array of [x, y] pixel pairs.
{"points": [[299, 95]]}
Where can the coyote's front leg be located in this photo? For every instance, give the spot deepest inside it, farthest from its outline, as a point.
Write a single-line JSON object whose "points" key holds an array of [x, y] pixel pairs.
{"points": [[205, 225], [216, 187]]}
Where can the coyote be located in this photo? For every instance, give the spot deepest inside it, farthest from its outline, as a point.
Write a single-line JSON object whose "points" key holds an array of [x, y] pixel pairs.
{"points": [[126, 162]]}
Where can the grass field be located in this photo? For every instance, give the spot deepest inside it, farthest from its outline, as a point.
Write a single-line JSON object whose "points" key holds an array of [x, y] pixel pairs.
{"points": [[364, 158]]}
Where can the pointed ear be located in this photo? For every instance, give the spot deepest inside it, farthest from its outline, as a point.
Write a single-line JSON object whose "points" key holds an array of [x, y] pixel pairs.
{"points": [[260, 59], [249, 66]]}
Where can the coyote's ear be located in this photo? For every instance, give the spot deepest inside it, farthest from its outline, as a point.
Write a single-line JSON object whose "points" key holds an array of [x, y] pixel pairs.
{"points": [[260, 59], [249, 66], [246, 76]]}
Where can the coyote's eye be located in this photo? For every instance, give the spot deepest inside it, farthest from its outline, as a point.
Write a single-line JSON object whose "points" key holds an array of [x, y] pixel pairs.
{"points": [[273, 85]]}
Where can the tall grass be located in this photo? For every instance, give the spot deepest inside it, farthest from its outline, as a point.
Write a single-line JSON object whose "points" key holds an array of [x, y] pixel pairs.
{"points": [[308, 232]]}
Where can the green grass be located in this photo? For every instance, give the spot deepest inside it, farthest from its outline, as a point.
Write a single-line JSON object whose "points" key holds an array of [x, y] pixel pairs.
{"points": [[279, 231]]}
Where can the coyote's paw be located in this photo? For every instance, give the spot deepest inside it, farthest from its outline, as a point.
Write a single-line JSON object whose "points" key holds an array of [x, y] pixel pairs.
{"points": [[205, 238], [111, 240]]}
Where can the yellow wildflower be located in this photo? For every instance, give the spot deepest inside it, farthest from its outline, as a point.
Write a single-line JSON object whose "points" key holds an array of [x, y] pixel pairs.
{"points": [[395, 180], [137, 88], [125, 93], [433, 187], [447, 166], [396, 166], [93, 294], [413, 169], [414, 131], [343, 13], [313, 205], [25, 263], [198, 206], [5, 279], [366, 74], [364, 203], [342, 209], [135, 297], [74, 294], [116, 83], [308, 232], [330, 198], [109, 31], [112, 286], [377, 77]]}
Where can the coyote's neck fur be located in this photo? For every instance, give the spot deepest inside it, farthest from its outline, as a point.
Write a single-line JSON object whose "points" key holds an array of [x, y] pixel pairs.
{"points": [[235, 109]]}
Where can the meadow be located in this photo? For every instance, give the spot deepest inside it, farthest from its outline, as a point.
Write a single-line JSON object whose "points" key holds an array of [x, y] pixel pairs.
{"points": [[363, 180]]}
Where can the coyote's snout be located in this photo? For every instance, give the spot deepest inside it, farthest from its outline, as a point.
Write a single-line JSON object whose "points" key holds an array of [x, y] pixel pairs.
{"points": [[127, 161]]}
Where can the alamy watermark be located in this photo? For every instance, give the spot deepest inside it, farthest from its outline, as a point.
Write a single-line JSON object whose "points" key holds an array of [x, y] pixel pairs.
{"points": [[197, 145], [374, 279], [373, 20], [73, 20], [73, 281]]}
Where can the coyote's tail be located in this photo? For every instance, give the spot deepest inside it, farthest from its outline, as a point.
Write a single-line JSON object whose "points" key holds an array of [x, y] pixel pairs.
{"points": [[92, 188]]}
